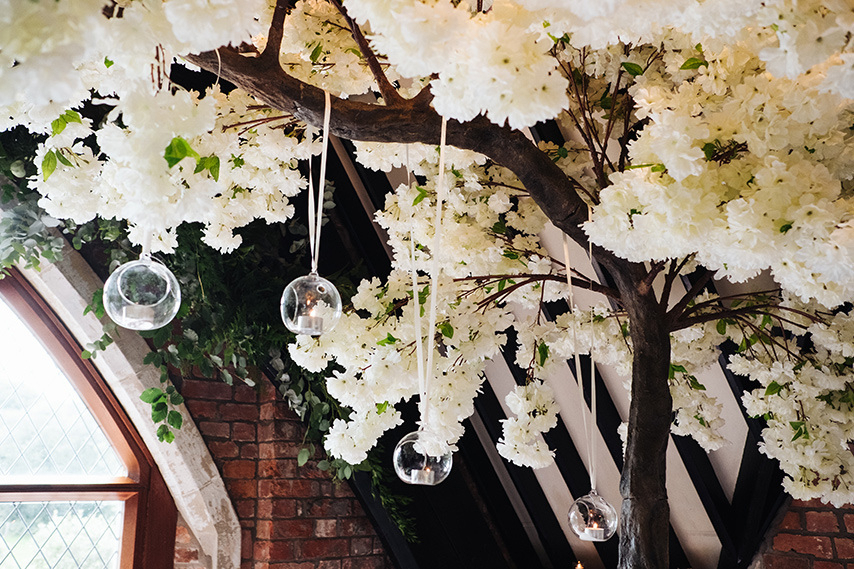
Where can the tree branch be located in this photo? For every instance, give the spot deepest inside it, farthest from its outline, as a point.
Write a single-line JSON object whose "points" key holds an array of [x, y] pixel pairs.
{"points": [[412, 120], [387, 90], [275, 33]]}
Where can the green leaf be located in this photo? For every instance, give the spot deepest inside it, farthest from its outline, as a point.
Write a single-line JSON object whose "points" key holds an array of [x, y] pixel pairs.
{"points": [[63, 160], [446, 329], [543, 353], [177, 150], [773, 388], [108, 62], [58, 125], [787, 225], [316, 52], [159, 412], [209, 163], [176, 398], [709, 149], [86, 354], [499, 227], [422, 193], [151, 394], [164, 435], [658, 168], [72, 116], [48, 164], [175, 419], [511, 255], [692, 381], [382, 407], [303, 456], [387, 341], [694, 63], [633, 69], [721, 327], [323, 465]]}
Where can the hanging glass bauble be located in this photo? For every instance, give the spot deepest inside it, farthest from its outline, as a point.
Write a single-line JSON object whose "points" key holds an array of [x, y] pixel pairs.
{"points": [[414, 465], [592, 518], [142, 295], [310, 305]]}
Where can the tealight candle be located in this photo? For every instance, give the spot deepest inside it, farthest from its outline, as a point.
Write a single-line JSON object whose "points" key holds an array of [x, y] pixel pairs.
{"points": [[311, 325], [426, 477], [593, 533]]}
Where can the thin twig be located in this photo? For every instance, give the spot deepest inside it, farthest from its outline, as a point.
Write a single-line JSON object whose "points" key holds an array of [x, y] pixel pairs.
{"points": [[387, 90]]}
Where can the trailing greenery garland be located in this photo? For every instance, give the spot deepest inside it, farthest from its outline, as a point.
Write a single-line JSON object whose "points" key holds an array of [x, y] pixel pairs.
{"points": [[227, 329]]}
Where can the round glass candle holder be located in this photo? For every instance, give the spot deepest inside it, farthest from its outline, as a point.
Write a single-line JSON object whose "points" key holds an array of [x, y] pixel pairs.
{"points": [[310, 305], [142, 295], [592, 518], [414, 466]]}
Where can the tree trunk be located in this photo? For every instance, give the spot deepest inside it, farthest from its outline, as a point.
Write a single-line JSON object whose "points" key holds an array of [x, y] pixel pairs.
{"points": [[645, 515]]}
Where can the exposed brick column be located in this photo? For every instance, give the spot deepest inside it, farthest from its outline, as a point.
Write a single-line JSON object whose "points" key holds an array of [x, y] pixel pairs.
{"points": [[812, 535], [292, 517]]}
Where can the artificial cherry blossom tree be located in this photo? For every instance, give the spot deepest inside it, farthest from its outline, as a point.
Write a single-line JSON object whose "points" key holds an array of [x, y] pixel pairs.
{"points": [[704, 138]]}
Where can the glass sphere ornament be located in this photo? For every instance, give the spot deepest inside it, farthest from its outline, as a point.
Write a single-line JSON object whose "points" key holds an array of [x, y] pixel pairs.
{"points": [[592, 518], [310, 305], [414, 465], [142, 295]]}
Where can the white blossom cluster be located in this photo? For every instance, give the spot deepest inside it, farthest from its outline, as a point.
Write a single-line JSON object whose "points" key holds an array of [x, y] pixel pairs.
{"points": [[536, 412], [752, 174], [808, 402], [232, 176], [744, 160]]}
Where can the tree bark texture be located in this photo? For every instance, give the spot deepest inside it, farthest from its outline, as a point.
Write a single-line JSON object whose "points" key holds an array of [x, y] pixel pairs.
{"points": [[645, 513]]}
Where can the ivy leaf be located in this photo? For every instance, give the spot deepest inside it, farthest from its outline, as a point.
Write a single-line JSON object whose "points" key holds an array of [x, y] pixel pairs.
{"points": [[48, 164], [773, 388], [694, 63], [446, 329], [303, 457], [632, 69], [543, 353], [177, 150], [175, 419], [151, 394]]}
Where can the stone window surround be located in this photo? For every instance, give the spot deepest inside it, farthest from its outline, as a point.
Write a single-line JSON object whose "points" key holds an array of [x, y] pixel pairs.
{"points": [[186, 464]]}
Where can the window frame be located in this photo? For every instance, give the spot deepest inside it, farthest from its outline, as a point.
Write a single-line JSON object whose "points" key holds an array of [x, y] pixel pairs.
{"points": [[150, 514]]}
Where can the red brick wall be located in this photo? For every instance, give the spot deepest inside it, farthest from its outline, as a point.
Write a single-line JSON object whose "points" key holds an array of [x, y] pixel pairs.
{"points": [[292, 517], [812, 535]]}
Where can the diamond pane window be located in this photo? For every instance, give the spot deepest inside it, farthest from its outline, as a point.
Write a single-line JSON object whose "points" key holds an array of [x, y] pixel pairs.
{"points": [[60, 535], [45, 427], [78, 488]]}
